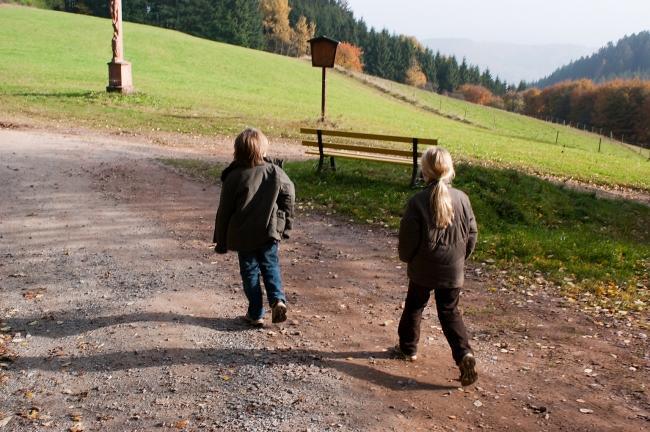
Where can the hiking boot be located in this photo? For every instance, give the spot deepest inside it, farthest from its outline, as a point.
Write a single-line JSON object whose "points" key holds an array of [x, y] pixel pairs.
{"points": [[467, 366], [398, 353], [278, 312], [253, 322]]}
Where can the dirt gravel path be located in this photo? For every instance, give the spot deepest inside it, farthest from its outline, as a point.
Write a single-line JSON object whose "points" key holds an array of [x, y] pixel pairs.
{"points": [[122, 318]]}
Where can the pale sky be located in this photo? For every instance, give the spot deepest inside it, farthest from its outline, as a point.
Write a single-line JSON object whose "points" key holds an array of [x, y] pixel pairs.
{"points": [[582, 22]]}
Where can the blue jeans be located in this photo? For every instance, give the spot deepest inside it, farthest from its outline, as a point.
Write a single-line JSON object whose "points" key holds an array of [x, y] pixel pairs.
{"points": [[262, 261]]}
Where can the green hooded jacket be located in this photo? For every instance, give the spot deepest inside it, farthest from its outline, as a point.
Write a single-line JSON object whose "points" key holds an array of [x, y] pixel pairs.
{"points": [[255, 207]]}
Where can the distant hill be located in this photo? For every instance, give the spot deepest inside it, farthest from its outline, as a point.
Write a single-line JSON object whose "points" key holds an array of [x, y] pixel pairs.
{"points": [[629, 58], [512, 62]]}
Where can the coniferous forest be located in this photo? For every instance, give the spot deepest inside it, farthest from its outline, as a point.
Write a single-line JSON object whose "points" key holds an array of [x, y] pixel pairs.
{"points": [[628, 58]]}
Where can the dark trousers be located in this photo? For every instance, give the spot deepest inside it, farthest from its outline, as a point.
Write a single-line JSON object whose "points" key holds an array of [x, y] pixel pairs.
{"points": [[450, 318]]}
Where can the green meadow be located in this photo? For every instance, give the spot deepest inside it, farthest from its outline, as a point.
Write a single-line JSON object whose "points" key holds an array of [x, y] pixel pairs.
{"points": [[54, 67]]}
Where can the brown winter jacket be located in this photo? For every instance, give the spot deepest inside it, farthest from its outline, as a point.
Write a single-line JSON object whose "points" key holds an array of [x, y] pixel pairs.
{"points": [[255, 207], [436, 257]]}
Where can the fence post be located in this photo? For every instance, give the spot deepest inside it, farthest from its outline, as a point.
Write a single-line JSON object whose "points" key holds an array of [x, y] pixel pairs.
{"points": [[557, 136], [414, 173], [600, 141]]}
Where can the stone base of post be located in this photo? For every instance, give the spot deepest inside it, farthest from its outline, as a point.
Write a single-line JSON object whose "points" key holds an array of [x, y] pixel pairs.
{"points": [[119, 77]]}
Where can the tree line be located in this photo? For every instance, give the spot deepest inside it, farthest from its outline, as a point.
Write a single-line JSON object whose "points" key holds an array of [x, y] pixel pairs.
{"points": [[285, 26], [628, 58], [395, 57], [620, 107]]}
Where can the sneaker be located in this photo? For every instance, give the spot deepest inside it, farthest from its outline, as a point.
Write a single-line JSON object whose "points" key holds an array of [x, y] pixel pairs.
{"points": [[467, 366], [254, 322], [397, 352], [279, 312]]}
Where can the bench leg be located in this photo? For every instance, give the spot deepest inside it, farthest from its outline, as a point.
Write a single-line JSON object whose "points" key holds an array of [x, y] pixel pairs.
{"points": [[321, 162], [332, 163], [414, 176]]}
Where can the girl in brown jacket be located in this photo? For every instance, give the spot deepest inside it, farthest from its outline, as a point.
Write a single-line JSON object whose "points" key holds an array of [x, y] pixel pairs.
{"points": [[437, 234]]}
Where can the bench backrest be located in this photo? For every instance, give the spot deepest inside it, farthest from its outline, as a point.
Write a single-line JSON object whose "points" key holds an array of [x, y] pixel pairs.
{"points": [[374, 137], [367, 152]]}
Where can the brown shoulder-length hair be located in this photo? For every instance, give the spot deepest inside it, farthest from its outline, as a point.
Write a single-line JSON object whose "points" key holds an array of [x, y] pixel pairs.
{"points": [[250, 147]]}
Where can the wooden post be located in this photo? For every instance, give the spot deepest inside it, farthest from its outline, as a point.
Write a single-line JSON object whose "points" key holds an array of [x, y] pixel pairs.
{"points": [[322, 103], [600, 141], [557, 137], [414, 173], [321, 160]]}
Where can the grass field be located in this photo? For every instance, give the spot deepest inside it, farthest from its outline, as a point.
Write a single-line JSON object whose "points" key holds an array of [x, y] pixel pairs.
{"points": [[54, 67], [582, 243]]}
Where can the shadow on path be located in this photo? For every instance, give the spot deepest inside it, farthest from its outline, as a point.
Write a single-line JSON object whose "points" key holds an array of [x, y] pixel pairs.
{"points": [[48, 326], [346, 362]]}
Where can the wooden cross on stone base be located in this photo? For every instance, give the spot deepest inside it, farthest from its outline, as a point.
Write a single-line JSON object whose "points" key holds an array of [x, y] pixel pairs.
{"points": [[119, 70]]}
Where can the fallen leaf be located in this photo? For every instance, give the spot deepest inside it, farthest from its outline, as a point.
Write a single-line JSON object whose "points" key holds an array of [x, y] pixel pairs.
{"points": [[181, 424], [77, 427], [32, 414], [56, 352], [34, 294]]}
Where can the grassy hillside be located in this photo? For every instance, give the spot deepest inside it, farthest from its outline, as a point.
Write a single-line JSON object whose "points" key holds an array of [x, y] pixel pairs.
{"points": [[503, 122], [54, 66]]}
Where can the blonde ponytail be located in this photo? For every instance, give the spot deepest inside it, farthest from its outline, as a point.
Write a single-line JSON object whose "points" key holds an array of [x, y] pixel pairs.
{"points": [[437, 166]]}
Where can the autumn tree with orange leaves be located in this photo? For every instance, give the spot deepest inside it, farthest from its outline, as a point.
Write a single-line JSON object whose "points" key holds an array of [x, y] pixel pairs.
{"points": [[415, 77], [348, 56]]}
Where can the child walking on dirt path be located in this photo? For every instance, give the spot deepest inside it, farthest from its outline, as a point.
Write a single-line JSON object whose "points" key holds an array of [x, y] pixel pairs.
{"points": [[437, 234], [255, 213]]}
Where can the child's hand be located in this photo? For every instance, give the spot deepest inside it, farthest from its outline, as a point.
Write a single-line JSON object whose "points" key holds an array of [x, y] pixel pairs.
{"points": [[220, 250]]}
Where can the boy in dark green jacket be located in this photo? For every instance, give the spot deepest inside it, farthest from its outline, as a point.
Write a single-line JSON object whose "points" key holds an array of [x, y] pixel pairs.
{"points": [[255, 213]]}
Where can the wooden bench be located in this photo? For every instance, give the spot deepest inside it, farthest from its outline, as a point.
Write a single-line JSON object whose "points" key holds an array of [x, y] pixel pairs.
{"points": [[365, 151]]}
